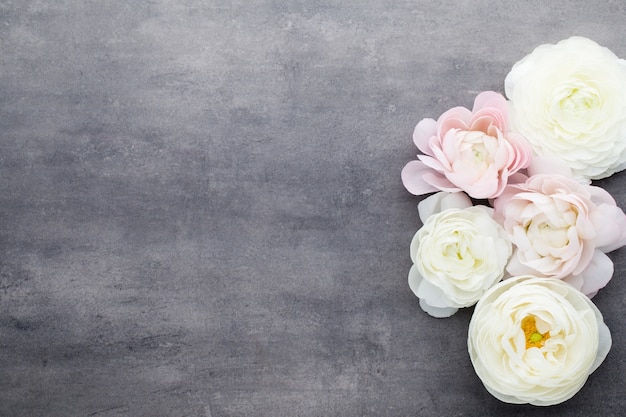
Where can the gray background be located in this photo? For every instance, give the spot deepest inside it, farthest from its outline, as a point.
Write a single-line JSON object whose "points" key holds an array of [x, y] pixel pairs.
{"points": [[201, 211]]}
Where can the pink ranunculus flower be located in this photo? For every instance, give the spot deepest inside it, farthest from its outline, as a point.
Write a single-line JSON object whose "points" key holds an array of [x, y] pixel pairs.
{"points": [[471, 151], [561, 229]]}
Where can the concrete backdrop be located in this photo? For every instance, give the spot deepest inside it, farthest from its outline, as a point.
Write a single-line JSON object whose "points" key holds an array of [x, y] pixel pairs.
{"points": [[201, 211]]}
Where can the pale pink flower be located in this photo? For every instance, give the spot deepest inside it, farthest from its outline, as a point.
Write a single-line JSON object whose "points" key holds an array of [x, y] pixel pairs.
{"points": [[471, 151], [561, 229]]}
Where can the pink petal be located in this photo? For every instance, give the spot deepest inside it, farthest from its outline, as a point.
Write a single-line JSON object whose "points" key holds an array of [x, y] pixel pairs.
{"points": [[601, 196], [485, 186], [575, 281], [440, 182], [422, 134], [481, 123], [497, 107], [548, 165], [522, 151], [413, 178], [433, 163], [490, 99], [449, 147], [439, 154], [455, 118], [517, 178], [495, 117], [610, 225], [597, 274]]}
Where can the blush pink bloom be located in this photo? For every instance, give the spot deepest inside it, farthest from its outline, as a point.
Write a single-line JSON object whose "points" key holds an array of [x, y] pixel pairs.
{"points": [[471, 151], [561, 229]]}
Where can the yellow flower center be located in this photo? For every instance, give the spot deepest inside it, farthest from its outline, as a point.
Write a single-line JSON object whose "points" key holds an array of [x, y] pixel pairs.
{"points": [[533, 337]]}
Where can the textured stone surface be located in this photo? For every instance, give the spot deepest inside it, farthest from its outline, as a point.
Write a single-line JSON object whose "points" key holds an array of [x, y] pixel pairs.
{"points": [[201, 212]]}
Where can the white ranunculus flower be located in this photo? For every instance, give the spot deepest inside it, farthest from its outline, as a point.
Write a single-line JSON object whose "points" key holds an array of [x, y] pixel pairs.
{"points": [[569, 100], [458, 254], [536, 340]]}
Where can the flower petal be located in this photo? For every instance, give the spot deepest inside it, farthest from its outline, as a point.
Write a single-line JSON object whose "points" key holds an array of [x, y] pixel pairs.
{"points": [[442, 201], [604, 344], [490, 99], [437, 312], [422, 134], [413, 178], [415, 279], [597, 274], [610, 226], [548, 165], [433, 295], [515, 267]]}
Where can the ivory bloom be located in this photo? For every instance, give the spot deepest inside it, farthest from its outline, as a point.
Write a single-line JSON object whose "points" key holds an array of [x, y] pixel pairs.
{"points": [[458, 254], [472, 151], [569, 100], [561, 229], [536, 340]]}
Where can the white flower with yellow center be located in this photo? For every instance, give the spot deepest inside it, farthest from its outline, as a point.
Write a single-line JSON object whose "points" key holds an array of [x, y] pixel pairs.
{"points": [[536, 340]]}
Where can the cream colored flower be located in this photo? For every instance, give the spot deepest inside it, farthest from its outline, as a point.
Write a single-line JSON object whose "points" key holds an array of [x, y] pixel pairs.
{"points": [[458, 254], [569, 100], [536, 340]]}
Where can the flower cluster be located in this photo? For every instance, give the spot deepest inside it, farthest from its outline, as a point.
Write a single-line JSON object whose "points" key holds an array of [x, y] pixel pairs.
{"points": [[532, 255]]}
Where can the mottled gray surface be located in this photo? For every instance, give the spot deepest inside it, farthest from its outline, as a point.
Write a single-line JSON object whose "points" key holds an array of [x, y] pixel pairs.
{"points": [[201, 211]]}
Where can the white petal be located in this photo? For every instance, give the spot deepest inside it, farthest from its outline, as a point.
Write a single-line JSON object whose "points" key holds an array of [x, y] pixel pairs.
{"points": [[604, 344], [442, 201], [437, 312], [415, 279], [433, 295]]}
